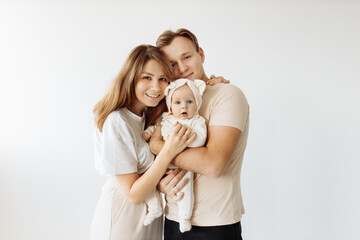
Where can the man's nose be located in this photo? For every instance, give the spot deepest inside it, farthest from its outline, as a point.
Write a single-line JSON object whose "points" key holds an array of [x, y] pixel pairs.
{"points": [[182, 67]]}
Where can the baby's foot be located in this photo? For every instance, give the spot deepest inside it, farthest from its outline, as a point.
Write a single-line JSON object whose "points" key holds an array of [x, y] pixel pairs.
{"points": [[185, 225], [149, 218]]}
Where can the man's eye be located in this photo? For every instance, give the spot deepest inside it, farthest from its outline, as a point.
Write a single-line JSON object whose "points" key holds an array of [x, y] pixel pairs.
{"points": [[187, 57]]}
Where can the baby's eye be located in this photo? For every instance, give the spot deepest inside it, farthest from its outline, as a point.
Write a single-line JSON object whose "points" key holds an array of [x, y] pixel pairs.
{"points": [[189, 101], [177, 102]]}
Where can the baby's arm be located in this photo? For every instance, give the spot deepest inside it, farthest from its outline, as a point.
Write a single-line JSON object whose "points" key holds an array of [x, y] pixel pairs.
{"points": [[199, 126], [148, 133]]}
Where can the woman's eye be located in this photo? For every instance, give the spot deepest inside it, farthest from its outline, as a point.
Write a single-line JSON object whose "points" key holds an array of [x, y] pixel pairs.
{"points": [[173, 65], [163, 79], [146, 77]]}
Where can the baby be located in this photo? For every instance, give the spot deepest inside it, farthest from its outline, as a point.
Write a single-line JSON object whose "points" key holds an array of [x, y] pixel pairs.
{"points": [[183, 99]]}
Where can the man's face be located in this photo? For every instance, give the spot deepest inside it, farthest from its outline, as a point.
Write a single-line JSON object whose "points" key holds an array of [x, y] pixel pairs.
{"points": [[186, 61]]}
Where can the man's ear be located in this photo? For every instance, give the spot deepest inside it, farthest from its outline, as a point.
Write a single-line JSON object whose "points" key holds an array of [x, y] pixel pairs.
{"points": [[202, 54]]}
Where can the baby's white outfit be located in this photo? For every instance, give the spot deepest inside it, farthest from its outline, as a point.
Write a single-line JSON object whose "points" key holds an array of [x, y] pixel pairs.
{"points": [[196, 124]]}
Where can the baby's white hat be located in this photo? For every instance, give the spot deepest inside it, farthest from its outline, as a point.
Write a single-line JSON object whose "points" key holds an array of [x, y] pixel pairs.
{"points": [[196, 86]]}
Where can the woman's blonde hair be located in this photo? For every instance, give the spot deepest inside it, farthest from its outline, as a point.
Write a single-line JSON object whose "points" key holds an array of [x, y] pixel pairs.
{"points": [[168, 36], [122, 92]]}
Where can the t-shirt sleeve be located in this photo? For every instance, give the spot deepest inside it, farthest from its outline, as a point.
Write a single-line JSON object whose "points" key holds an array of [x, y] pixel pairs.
{"points": [[230, 108], [118, 148]]}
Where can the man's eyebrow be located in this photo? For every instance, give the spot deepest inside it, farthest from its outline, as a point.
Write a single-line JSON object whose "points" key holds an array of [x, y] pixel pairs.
{"points": [[182, 55], [186, 53]]}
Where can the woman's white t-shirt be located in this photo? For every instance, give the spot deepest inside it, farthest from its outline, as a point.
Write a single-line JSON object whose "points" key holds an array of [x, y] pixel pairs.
{"points": [[120, 149]]}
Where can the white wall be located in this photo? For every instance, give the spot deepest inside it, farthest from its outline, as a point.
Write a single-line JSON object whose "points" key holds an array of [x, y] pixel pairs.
{"points": [[297, 62]]}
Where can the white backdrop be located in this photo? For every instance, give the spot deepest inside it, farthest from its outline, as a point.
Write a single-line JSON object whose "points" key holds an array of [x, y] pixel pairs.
{"points": [[297, 62]]}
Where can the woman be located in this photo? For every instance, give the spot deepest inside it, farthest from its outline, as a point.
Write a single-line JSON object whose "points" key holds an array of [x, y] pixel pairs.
{"points": [[134, 100]]}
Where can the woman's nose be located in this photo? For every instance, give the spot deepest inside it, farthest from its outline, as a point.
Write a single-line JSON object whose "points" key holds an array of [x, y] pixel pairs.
{"points": [[156, 85]]}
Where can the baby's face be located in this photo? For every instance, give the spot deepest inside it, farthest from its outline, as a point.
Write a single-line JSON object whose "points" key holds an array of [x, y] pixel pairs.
{"points": [[183, 104]]}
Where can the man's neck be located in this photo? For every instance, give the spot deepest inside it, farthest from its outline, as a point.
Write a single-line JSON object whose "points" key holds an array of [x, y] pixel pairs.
{"points": [[205, 78]]}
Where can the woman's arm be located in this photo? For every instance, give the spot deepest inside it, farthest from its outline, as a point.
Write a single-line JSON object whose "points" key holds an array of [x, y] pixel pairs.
{"points": [[137, 188], [156, 141]]}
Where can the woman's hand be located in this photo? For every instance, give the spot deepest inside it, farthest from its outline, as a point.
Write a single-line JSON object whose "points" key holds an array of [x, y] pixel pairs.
{"points": [[215, 80], [180, 137], [171, 184]]}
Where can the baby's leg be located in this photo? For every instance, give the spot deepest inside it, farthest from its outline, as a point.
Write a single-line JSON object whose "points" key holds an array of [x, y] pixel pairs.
{"points": [[155, 209], [186, 204]]}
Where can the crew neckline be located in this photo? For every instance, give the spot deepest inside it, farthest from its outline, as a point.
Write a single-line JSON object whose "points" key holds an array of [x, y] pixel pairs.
{"points": [[135, 116]]}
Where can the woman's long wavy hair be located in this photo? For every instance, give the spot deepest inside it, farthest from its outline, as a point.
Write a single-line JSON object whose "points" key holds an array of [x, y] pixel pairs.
{"points": [[122, 92]]}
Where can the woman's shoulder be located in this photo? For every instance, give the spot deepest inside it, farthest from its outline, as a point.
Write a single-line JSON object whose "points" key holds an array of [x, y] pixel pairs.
{"points": [[118, 115], [116, 118]]}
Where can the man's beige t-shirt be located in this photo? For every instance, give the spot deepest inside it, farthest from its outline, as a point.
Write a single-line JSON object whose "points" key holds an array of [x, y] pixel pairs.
{"points": [[218, 201]]}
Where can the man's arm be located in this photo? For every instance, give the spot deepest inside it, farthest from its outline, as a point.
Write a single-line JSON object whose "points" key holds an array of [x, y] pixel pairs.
{"points": [[210, 160]]}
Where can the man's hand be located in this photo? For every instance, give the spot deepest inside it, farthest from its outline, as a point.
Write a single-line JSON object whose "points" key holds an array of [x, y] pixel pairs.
{"points": [[215, 80], [171, 184]]}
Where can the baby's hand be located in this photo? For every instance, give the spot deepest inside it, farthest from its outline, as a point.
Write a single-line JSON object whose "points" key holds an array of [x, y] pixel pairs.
{"points": [[146, 136]]}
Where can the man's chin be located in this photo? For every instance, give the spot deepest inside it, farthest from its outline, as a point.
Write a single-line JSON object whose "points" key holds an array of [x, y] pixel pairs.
{"points": [[190, 77]]}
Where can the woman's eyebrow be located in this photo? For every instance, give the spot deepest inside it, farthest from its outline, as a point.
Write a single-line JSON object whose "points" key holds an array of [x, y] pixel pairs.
{"points": [[147, 73]]}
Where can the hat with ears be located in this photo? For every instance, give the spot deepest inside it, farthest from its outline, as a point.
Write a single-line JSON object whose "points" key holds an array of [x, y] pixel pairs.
{"points": [[196, 86]]}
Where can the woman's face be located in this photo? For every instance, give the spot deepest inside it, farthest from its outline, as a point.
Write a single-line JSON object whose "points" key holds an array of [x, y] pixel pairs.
{"points": [[150, 86]]}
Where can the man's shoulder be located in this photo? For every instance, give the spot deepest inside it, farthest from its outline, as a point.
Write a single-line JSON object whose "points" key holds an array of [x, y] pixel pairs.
{"points": [[222, 89], [223, 96]]}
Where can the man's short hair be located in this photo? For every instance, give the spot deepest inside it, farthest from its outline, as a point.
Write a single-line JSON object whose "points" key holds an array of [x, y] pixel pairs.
{"points": [[168, 36]]}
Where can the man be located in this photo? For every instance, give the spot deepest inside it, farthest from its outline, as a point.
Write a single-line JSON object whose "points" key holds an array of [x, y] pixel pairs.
{"points": [[218, 202]]}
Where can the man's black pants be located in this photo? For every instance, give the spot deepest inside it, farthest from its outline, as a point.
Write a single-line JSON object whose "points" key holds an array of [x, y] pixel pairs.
{"points": [[225, 232]]}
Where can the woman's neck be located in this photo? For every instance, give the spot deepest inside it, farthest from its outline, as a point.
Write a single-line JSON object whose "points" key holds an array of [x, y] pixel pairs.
{"points": [[138, 110]]}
